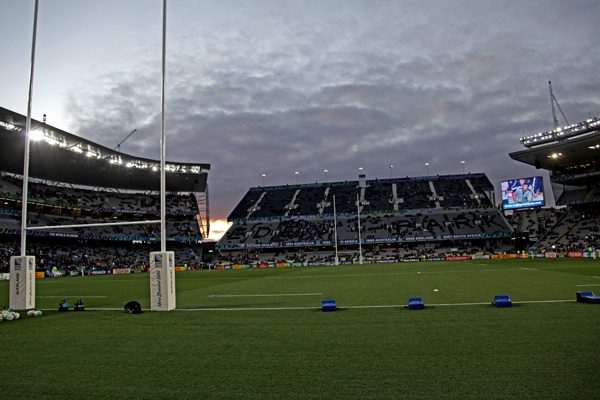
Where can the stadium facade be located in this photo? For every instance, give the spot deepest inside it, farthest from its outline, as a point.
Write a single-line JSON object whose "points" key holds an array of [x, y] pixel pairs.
{"points": [[402, 218], [571, 154], [73, 180], [426, 218], [76, 181]]}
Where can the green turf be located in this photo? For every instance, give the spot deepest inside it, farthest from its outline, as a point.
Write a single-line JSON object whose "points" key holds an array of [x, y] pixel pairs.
{"points": [[532, 350]]}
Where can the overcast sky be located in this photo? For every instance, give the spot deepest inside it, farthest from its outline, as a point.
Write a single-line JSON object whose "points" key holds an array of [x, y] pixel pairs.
{"points": [[273, 87]]}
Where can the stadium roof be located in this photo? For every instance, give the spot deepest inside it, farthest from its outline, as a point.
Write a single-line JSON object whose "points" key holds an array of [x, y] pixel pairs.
{"points": [[565, 157], [58, 156]]}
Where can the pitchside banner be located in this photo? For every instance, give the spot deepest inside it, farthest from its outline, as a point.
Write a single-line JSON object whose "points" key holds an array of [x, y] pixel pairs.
{"points": [[162, 280], [22, 282]]}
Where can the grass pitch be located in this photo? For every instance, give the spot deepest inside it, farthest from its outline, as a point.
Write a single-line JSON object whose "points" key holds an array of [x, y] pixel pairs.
{"points": [[263, 335]]}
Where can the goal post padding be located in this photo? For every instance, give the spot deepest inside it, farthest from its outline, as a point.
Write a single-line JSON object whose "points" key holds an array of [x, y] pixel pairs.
{"points": [[162, 280], [22, 282]]}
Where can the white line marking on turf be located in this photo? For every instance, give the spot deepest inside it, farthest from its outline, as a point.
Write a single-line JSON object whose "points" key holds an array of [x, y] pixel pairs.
{"points": [[546, 301], [385, 306], [393, 273], [595, 284], [266, 295], [533, 269], [67, 296], [93, 280], [247, 309], [318, 308]]}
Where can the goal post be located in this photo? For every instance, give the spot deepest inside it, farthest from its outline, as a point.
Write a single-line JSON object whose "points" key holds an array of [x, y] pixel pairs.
{"points": [[162, 280], [22, 283]]}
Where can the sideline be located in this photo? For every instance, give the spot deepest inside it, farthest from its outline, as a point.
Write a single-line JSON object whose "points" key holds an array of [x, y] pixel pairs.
{"points": [[318, 308], [265, 295]]}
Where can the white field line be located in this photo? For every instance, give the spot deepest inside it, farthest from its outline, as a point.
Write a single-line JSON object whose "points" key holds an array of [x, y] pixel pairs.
{"points": [[427, 272], [318, 308], [68, 296], [88, 309], [393, 273], [571, 266], [249, 309], [546, 301], [382, 306], [93, 280], [595, 284], [266, 295], [335, 276]]}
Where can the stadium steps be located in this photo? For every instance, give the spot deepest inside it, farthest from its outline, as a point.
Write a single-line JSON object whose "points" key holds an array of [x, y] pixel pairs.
{"points": [[589, 194], [476, 197], [550, 231], [291, 205], [435, 196], [255, 205], [324, 201], [572, 230], [505, 222], [395, 192]]}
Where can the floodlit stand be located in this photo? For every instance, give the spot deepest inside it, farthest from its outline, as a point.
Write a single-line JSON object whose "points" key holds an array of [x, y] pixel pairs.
{"points": [[162, 280], [22, 282]]}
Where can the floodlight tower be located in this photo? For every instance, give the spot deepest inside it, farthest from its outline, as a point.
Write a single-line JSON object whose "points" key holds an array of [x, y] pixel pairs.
{"points": [[552, 101], [118, 148]]}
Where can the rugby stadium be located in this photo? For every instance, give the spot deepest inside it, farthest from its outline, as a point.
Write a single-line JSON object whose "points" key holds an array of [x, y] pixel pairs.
{"points": [[418, 269]]}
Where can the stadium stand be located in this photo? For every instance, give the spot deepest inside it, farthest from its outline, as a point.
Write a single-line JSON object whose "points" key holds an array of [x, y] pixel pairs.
{"points": [[569, 153], [73, 181], [399, 218]]}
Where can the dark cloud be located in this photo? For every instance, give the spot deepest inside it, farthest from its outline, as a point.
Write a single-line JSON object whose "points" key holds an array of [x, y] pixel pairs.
{"points": [[301, 89]]}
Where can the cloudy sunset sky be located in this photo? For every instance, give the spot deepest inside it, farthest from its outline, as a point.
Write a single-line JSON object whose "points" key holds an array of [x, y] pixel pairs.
{"points": [[277, 87]]}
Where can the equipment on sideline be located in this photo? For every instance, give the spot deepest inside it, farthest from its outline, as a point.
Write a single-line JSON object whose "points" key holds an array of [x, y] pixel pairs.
{"points": [[133, 307]]}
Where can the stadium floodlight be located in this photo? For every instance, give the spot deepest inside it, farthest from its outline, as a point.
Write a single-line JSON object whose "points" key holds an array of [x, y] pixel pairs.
{"points": [[427, 168], [391, 167], [10, 126], [36, 136], [561, 133], [325, 175], [463, 165], [296, 177]]}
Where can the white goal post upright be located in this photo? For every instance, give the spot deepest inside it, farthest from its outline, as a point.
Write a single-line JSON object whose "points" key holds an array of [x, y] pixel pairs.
{"points": [[162, 280], [162, 263], [335, 237], [22, 283], [22, 269]]}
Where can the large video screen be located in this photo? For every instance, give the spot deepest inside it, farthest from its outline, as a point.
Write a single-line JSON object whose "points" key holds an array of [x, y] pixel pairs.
{"points": [[524, 192]]}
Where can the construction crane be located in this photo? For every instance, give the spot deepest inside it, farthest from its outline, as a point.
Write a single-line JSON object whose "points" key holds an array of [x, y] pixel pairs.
{"points": [[118, 147], [552, 101]]}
